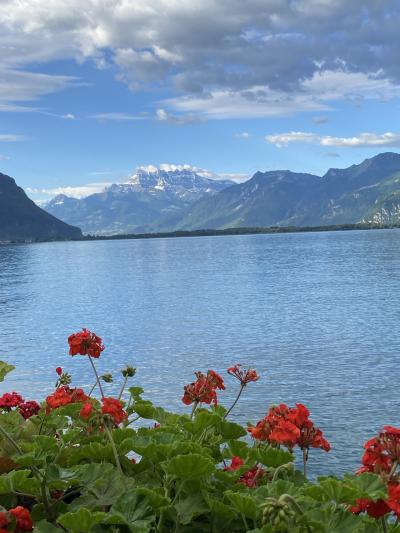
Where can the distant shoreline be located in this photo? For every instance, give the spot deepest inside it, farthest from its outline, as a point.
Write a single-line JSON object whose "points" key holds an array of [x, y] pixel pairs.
{"points": [[216, 232]]}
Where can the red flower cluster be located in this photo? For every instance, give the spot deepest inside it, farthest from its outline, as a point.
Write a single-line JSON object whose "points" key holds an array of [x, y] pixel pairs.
{"points": [[377, 509], [63, 396], [28, 409], [244, 376], [85, 343], [381, 456], [9, 400], [21, 516], [289, 426], [382, 452], [204, 389], [113, 408], [250, 477]]}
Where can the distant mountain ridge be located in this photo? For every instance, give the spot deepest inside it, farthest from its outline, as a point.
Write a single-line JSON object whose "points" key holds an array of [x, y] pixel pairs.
{"points": [[178, 198], [22, 220], [150, 194]]}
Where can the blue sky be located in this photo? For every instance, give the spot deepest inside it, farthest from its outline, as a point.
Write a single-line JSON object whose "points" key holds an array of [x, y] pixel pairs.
{"points": [[91, 89]]}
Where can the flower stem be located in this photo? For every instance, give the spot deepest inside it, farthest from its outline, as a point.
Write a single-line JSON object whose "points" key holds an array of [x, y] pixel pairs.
{"points": [[121, 392], [296, 506], [114, 448], [236, 400], [393, 469], [305, 459], [384, 524], [194, 409], [97, 376]]}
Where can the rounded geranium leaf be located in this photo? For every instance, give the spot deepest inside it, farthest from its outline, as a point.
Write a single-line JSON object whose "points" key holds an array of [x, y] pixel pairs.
{"points": [[191, 466]]}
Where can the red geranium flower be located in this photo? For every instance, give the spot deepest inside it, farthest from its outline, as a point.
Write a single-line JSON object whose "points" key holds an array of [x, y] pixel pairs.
{"points": [[244, 376], [85, 343], [203, 390], [285, 433], [251, 477], [261, 431], [290, 427], [28, 409], [113, 408], [9, 400], [63, 396], [23, 518], [375, 509], [4, 520], [394, 498], [86, 411], [59, 370], [236, 463]]}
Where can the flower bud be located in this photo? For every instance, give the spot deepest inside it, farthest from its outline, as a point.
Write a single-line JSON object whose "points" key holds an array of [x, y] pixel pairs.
{"points": [[129, 372]]}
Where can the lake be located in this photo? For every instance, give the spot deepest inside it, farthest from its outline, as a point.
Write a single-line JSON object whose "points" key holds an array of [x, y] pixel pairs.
{"points": [[317, 314]]}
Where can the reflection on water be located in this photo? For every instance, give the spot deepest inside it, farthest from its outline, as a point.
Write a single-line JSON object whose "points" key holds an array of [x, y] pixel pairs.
{"points": [[316, 314]]}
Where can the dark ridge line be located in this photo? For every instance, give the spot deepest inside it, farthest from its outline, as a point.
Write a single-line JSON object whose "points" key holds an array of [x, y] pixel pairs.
{"points": [[216, 232]]}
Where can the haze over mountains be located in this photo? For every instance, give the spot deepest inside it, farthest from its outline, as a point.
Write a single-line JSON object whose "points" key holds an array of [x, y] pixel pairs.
{"points": [[22, 220], [178, 198]]}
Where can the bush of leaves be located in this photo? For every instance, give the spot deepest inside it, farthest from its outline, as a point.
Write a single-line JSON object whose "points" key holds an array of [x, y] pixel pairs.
{"points": [[84, 461]]}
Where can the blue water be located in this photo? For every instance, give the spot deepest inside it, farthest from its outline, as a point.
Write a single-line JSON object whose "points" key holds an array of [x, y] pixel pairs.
{"points": [[317, 314]]}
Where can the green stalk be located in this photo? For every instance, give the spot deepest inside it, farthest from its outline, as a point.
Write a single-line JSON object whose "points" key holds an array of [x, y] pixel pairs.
{"points": [[236, 400], [97, 376], [121, 392], [305, 459], [296, 506], [114, 448]]}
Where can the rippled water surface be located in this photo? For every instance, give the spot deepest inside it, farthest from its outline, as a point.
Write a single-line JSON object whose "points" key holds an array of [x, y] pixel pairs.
{"points": [[316, 313]]}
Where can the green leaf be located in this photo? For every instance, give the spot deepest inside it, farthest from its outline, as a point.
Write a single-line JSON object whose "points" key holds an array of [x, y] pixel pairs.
{"points": [[368, 485], [191, 506], [135, 511], [5, 368], [230, 430], [136, 392], [145, 409], [45, 527], [272, 457], [220, 509], [19, 481], [190, 466], [156, 499], [81, 521], [244, 504]]}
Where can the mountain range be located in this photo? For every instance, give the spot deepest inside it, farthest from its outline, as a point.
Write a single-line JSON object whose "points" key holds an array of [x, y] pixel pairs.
{"points": [[149, 196], [22, 220], [157, 199]]}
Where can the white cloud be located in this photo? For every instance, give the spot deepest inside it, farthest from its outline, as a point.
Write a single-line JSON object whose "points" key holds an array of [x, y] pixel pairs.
{"points": [[242, 135], [320, 120], [104, 117], [261, 56], [314, 94], [79, 191], [12, 137], [284, 139], [179, 120], [362, 140]]}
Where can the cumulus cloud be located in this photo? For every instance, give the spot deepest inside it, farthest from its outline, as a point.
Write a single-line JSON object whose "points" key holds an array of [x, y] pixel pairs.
{"points": [[362, 140], [260, 55]]}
